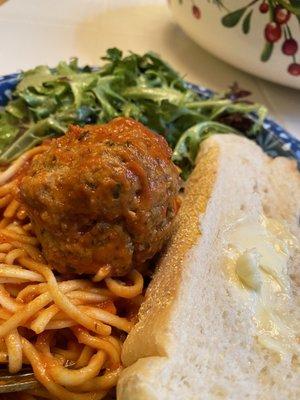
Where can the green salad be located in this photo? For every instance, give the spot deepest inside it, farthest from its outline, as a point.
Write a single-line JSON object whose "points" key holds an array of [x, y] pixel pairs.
{"points": [[145, 88]]}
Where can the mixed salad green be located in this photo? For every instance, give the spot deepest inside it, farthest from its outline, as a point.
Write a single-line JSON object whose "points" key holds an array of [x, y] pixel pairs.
{"points": [[145, 88]]}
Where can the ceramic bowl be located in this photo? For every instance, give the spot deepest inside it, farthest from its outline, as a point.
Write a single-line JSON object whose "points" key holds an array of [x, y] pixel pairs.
{"points": [[255, 36]]}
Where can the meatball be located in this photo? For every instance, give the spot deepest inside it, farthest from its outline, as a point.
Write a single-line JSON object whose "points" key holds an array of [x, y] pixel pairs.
{"points": [[102, 196]]}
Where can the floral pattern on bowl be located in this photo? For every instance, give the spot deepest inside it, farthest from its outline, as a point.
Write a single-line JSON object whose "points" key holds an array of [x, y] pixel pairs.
{"points": [[277, 26], [272, 26]]}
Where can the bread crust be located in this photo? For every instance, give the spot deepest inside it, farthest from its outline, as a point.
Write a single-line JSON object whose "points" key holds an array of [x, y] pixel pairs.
{"points": [[151, 336], [191, 318]]}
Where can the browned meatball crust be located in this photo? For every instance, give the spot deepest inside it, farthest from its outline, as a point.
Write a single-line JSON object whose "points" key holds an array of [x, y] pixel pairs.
{"points": [[102, 196]]}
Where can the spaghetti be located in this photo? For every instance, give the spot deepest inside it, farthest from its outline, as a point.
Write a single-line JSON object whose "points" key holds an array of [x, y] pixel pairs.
{"points": [[69, 330]]}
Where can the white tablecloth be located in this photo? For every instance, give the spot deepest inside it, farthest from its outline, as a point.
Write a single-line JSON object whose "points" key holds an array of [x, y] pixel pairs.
{"points": [[45, 31]]}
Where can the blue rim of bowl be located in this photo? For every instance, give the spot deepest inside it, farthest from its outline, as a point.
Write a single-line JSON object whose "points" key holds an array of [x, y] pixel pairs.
{"points": [[273, 138]]}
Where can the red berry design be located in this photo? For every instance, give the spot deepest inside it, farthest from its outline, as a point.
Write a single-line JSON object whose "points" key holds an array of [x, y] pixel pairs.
{"points": [[281, 15], [272, 32], [196, 12], [290, 47], [264, 8], [294, 69]]}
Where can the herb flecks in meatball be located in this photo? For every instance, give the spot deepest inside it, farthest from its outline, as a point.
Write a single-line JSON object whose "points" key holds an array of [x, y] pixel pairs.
{"points": [[102, 196]]}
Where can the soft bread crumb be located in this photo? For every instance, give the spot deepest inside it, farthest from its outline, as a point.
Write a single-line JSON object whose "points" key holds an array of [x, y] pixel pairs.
{"points": [[194, 321]]}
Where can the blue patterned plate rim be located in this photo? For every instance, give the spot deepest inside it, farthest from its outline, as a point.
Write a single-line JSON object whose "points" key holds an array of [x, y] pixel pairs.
{"points": [[273, 138]]}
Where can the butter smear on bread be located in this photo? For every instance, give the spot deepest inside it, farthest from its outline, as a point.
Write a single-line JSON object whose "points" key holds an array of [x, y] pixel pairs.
{"points": [[257, 256]]}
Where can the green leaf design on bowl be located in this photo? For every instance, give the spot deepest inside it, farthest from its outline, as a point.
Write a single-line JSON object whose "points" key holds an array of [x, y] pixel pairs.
{"points": [[232, 19], [267, 52], [247, 22]]}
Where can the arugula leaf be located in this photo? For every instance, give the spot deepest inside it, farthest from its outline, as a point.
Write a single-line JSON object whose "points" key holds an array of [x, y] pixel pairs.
{"points": [[187, 147], [8, 130], [43, 129], [35, 78], [143, 87], [80, 84], [17, 108], [173, 96]]}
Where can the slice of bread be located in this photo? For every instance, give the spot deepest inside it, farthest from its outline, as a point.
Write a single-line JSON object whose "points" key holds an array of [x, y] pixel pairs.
{"points": [[196, 338]]}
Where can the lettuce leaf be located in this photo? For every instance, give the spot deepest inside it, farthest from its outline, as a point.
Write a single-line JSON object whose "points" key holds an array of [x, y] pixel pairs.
{"points": [[143, 87]]}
